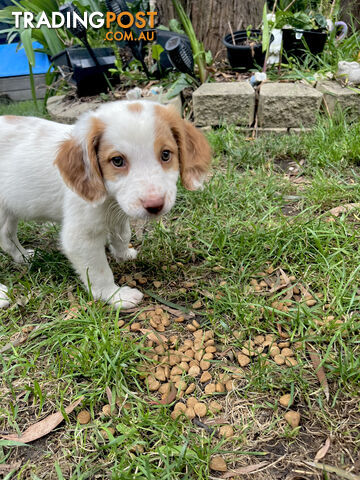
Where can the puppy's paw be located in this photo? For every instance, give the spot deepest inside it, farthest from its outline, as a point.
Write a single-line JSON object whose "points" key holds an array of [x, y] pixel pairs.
{"points": [[123, 255], [126, 298], [4, 299], [24, 257]]}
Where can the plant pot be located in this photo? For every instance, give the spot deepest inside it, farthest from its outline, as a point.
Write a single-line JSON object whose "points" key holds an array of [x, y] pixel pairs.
{"points": [[89, 79], [242, 56], [296, 42]]}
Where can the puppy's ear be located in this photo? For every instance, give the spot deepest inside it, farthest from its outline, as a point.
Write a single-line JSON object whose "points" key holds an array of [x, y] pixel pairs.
{"points": [[195, 157], [78, 162]]}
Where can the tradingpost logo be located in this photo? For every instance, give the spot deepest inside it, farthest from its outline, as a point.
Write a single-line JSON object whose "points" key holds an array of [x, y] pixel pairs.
{"points": [[96, 20]]}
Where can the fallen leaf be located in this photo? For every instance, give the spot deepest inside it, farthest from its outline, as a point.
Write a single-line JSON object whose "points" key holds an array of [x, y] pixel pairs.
{"points": [[335, 212], [319, 370], [167, 400], [45, 426], [20, 338], [109, 395], [6, 468], [323, 450], [245, 470], [330, 469]]}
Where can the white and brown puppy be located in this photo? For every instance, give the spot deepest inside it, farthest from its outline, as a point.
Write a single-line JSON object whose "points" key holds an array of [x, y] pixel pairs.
{"points": [[121, 161]]}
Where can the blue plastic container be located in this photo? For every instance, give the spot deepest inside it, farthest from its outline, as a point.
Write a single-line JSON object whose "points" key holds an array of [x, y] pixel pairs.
{"points": [[14, 63]]}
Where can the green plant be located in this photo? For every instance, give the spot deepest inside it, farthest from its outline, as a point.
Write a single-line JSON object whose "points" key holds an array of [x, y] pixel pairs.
{"points": [[197, 47]]}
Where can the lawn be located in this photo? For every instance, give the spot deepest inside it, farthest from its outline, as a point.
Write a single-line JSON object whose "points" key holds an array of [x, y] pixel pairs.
{"points": [[260, 264]]}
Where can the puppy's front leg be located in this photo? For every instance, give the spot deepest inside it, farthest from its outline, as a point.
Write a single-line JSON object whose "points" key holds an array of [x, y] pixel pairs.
{"points": [[119, 239], [86, 251]]}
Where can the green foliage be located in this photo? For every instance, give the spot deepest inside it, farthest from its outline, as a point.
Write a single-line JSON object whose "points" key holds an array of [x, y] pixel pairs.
{"points": [[300, 20]]}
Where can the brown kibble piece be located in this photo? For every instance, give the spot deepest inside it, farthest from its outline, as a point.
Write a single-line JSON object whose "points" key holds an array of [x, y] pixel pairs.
{"points": [[284, 344], [157, 284], [106, 410], [165, 388], [218, 464], [205, 377], [229, 386], [226, 431], [274, 350], [311, 302], [285, 400], [190, 389], [197, 305], [287, 352], [279, 359], [179, 409], [191, 402], [259, 339], [291, 361], [215, 407], [189, 413], [210, 349], [243, 360], [105, 434], [179, 319], [204, 365], [196, 324], [191, 328], [153, 384], [220, 388], [200, 409], [176, 371], [210, 388], [160, 374], [121, 323], [83, 417], [292, 418], [194, 371]]}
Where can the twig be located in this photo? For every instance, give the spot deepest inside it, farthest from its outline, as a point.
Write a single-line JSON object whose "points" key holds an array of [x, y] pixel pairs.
{"points": [[290, 4], [232, 33]]}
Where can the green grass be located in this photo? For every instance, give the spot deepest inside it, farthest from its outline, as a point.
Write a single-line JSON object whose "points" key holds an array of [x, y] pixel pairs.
{"points": [[236, 223]]}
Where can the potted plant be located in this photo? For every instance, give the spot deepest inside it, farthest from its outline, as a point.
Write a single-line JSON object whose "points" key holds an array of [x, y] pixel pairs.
{"points": [[302, 31], [244, 49]]}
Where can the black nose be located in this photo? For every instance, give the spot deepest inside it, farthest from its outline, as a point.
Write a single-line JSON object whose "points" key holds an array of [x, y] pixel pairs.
{"points": [[154, 209]]}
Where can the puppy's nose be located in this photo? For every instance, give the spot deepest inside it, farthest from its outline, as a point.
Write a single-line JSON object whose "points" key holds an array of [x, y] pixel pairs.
{"points": [[153, 205]]}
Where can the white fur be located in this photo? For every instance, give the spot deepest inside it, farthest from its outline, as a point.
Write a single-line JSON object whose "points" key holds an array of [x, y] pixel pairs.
{"points": [[31, 188]]}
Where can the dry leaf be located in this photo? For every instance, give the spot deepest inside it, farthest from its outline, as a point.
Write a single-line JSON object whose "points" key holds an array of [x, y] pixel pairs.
{"points": [[109, 395], [39, 429], [330, 469], [169, 399], [245, 470], [21, 338], [320, 371], [323, 450], [335, 212]]}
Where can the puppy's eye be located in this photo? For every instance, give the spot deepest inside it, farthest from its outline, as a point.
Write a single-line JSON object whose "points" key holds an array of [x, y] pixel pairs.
{"points": [[118, 162], [165, 155]]}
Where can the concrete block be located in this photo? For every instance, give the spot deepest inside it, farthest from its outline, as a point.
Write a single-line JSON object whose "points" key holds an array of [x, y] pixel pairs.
{"points": [[218, 103], [64, 111], [335, 96], [288, 105]]}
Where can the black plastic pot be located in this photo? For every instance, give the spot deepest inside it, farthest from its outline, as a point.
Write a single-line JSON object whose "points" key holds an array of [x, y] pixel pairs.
{"points": [[242, 56], [89, 79], [296, 42]]}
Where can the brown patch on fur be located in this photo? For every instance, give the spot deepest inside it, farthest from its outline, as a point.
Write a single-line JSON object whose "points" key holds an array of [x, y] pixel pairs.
{"points": [[13, 118], [165, 140], [194, 150], [86, 182], [135, 107], [109, 171]]}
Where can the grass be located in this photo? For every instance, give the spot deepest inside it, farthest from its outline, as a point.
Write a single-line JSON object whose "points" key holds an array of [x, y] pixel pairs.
{"points": [[218, 238]]}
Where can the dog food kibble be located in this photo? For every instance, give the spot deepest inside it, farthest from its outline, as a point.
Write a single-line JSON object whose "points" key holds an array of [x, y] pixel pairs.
{"points": [[215, 407], [279, 359], [220, 388], [135, 327], [179, 409], [190, 389], [292, 418], [106, 410], [310, 302], [83, 417], [160, 374], [106, 433], [291, 361], [205, 377], [243, 360], [218, 464], [197, 305], [200, 409], [191, 402], [191, 328], [229, 386], [157, 284], [259, 339], [204, 365], [285, 400], [121, 323], [226, 431], [194, 371], [287, 352], [210, 388], [274, 351], [153, 384], [189, 413]]}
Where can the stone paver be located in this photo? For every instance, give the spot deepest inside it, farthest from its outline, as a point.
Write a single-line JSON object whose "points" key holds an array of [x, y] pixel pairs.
{"points": [[335, 96], [217, 103], [288, 105]]}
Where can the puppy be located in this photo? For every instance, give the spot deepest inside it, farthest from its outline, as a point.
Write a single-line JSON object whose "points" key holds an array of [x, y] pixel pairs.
{"points": [[121, 161]]}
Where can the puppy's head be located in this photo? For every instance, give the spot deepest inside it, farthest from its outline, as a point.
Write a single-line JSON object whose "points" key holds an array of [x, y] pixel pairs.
{"points": [[134, 152]]}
